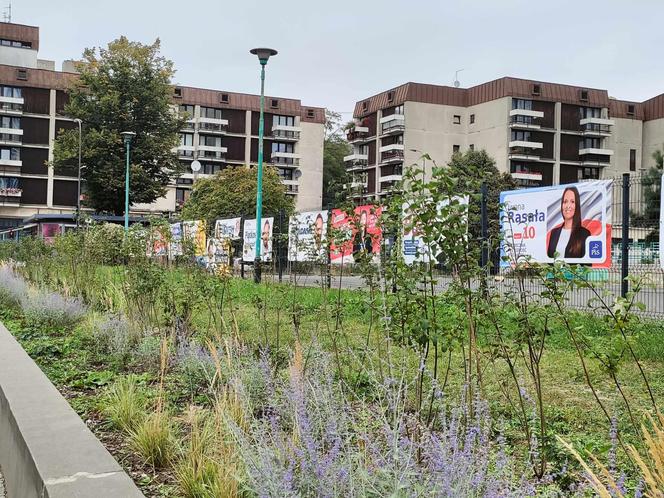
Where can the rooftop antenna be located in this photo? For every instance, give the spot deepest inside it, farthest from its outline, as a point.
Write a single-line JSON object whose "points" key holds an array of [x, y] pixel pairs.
{"points": [[456, 78], [7, 13]]}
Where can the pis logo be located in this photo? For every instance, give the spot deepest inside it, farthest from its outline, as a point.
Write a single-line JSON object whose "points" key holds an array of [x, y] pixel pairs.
{"points": [[595, 249]]}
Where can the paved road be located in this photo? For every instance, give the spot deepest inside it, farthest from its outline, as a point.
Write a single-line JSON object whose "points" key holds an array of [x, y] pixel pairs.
{"points": [[652, 297]]}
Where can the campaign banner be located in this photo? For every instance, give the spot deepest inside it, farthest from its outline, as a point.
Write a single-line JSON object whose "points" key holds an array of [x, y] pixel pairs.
{"points": [[414, 248], [563, 222], [175, 245], [357, 234], [307, 233], [50, 231], [194, 231], [661, 224], [249, 240], [228, 229], [159, 245]]}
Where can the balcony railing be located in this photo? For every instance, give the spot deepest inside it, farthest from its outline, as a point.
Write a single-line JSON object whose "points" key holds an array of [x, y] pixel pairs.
{"points": [[284, 132], [357, 134], [205, 127], [11, 109], [10, 192], [285, 161], [216, 154], [526, 112], [392, 156], [392, 124], [11, 162], [292, 189]]}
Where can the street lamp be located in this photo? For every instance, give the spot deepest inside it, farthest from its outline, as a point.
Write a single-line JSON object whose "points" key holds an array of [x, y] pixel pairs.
{"points": [[263, 55], [127, 136], [78, 198]]}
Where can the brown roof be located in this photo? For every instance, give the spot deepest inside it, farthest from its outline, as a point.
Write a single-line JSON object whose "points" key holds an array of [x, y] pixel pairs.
{"points": [[36, 78], [620, 108], [485, 92], [20, 32], [654, 108], [246, 101]]}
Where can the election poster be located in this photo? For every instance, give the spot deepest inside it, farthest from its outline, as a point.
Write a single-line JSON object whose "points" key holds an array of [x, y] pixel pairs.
{"points": [[307, 233], [563, 222], [228, 229], [414, 248], [355, 235], [249, 240], [175, 245], [194, 231], [159, 242], [661, 225]]}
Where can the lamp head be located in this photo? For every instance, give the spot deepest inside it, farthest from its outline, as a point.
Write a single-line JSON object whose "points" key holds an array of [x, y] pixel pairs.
{"points": [[127, 136], [263, 54]]}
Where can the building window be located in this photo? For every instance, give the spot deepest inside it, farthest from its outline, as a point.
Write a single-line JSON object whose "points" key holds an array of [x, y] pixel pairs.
{"points": [[590, 112], [210, 113], [211, 169], [520, 136], [632, 159], [631, 108], [310, 113], [186, 139], [536, 89], [209, 141], [11, 91], [456, 119], [472, 119], [456, 149], [399, 110], [278, 120], [10, 154], [223, 98], [186, 109], [285, 173], [588, 173], [181, 195], [274, 103], [471, 147], [22, 74], [583, 95], [177, 92], [282, 147], [524, 104], [9, 122], [390, 96], [590, 143], [365, 105]]}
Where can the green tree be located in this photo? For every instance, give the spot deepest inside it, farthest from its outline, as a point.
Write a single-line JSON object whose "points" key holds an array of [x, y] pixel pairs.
{"points": [[334, 169], [648, 217], [232, 192], [470, 170], [124, 87]]}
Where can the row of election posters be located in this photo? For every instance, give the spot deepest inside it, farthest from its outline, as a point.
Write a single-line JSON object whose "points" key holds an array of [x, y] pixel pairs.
{"points": [[569, 222], [563, 222]]}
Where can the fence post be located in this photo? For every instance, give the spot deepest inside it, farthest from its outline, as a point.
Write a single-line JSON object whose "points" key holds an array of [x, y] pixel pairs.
{"points": [[484, 225], [280, 245], [624, 247]]}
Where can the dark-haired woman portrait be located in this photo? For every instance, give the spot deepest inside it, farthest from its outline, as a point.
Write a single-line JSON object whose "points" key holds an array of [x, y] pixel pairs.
{"points": [[569, 239]]}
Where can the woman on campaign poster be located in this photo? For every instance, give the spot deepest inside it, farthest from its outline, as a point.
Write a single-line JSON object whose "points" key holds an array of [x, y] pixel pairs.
{"points": [[569, 238]]}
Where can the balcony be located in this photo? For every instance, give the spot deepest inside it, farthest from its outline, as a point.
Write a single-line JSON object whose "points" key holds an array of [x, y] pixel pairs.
{"points": [[283, 132], [358, 134], [11, 131], [391, 178], [393, 156], [211, 152], [526, 112], [205, 127], [292, 189], [527, 175], [518, 122], [595, 152], [11, 162], [523, 144], [189, 125], [214, 121], [11, 100], [391, 147], [285, 158], [11, 109], [185, 151], [394, 124], [356, 161], [596, 127]]}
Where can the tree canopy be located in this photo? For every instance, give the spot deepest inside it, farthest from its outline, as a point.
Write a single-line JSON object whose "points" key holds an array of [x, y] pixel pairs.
{"points": [[124, 87], [648, 217], [334, 169], [232, 192]]}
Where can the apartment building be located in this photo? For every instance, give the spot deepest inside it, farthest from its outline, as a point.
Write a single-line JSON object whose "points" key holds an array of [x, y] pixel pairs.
{"points": [[541, 133], [221, 131]]}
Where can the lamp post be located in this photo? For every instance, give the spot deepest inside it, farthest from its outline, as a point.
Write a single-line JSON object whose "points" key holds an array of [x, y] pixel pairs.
{"points": [[78, 197], [127, 136], [263, 55]]}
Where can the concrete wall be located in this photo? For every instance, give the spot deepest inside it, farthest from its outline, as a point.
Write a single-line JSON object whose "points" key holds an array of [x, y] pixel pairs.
{"points": [[46, 451], [491, 130], [310, 148], [15, 56], [653, 139], [626, 134]]}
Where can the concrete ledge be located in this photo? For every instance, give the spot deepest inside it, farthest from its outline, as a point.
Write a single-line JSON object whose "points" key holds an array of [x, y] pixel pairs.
{"points": [[46, 451]]}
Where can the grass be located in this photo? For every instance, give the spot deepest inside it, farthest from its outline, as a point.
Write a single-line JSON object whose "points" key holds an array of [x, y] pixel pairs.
{"points": [[279, 316]]}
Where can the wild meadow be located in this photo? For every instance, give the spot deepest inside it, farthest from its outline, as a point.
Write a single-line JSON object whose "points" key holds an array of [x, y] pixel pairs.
{"points": [[205, 385]]}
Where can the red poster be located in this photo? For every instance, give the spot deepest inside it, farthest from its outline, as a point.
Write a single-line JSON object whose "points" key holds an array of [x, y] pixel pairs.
{"points": [[356, 234]]}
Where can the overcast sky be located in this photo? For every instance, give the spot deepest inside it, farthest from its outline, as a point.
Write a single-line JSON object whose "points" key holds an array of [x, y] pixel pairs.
{"points": [[333, 54]]}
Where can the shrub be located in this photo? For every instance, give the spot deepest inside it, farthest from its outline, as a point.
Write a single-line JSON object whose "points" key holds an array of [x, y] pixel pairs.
{"points": [[153, 439], [50, 309], [13, 288], [124, 404]]}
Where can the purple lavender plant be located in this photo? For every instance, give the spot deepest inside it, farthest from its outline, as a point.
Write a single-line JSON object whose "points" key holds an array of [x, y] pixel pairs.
{"points": [[52, 309]]}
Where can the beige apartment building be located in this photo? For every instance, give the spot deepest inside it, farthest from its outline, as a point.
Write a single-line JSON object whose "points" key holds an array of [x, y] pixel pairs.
{"points": [[541, 133], [221, 132]]}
